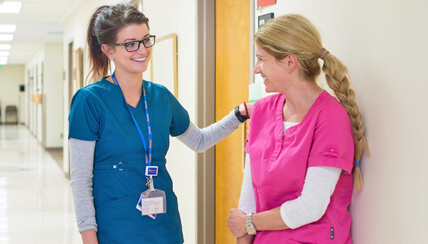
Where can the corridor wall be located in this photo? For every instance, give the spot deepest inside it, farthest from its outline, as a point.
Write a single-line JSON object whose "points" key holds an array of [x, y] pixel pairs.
{"points": [[11, 76], [43, 76], [383, 45]]}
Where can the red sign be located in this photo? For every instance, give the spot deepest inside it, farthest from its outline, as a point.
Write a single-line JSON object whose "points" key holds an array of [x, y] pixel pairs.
{"points": [[265, 2]]}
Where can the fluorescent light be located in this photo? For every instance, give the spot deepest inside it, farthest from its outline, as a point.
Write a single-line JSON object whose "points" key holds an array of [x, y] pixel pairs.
{"points": [[7, 28], [4, 54], [3, 63], [5, 46], [6, 37], [10, 7], [3, 59]]}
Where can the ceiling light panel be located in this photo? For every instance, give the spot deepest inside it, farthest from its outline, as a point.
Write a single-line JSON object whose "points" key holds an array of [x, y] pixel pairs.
{"points": [[5, 46], [4, 54], [7, 28], [6, 37], [10, 7]]}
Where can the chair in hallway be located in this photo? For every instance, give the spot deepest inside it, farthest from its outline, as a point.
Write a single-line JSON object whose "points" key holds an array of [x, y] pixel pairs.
{"points": [[11, 114]]}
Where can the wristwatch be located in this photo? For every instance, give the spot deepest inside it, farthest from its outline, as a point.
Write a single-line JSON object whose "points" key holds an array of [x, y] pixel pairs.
{"points": [[249, 227]]}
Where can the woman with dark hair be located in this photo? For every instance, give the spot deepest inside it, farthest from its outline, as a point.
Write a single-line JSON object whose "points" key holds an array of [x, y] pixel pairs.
{"points": [[304, 144], [119, 136]]}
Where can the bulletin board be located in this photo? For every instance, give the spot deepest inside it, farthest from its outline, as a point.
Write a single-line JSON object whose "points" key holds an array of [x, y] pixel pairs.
{"points": [[163, 67]]}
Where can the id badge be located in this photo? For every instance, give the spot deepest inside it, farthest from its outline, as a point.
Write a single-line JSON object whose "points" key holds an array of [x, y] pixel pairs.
{"points": [[152, 203], [151, 171]]}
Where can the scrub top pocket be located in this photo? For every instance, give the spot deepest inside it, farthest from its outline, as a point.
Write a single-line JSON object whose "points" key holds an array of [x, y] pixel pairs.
{"points": [[113, 184]]}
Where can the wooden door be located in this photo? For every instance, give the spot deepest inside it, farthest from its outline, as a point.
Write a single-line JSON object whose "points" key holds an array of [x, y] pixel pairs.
{"points": [[232, 79]]}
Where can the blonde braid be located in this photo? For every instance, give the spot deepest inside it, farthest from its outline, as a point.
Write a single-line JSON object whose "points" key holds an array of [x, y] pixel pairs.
{"points": [[337, 80], [294, 34]]}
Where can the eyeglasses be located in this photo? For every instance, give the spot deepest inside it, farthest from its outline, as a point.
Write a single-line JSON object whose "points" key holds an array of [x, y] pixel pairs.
{"points": [[135, 45]]}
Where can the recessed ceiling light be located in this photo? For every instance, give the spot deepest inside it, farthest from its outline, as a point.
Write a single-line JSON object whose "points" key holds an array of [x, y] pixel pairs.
{"points": [[4, 53], [6, 37], [7, 28], [10, 7], [5, 46]]}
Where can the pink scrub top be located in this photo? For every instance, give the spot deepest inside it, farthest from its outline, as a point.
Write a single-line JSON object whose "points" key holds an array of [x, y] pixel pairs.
{"points": [[279, 163]]}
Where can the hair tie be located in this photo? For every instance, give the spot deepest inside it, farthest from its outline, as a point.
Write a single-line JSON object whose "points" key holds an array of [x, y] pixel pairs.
{"points": [[323, 52], [357, 163]]}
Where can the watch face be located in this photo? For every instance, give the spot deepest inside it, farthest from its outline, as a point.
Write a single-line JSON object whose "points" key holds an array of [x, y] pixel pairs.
{"points": [[250, 230]]}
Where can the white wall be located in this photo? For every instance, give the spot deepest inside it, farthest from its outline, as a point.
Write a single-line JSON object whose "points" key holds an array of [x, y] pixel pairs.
{"points": [[11, 76], [178, 17], [34, 86], [383, 45], [45, 69], [53, 97]]}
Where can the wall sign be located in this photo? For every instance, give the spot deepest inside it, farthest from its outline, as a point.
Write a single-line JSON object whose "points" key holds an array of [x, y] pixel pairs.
{"points": [[262, 19], [265, 2]]}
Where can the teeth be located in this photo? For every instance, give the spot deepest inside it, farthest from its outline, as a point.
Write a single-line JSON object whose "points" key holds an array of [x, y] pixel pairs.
{"points": [[139, 59]]}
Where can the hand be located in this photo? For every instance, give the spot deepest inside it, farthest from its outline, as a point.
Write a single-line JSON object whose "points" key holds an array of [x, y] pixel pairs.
{"points": [[243, 111], [249, 107], [236, 222]]}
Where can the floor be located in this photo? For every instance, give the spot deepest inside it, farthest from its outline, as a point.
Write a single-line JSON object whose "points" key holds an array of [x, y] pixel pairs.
{"points": [[36, 203]]}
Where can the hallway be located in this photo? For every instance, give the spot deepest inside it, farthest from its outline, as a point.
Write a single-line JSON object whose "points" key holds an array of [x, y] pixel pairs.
{"points": [[36, 203]]}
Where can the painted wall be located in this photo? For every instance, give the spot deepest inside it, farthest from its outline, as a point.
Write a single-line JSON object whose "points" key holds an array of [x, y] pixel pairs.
{"points": [[163, 21], [43, 75], [53, 96], [383, 45], [11, 76], [34, 84]]}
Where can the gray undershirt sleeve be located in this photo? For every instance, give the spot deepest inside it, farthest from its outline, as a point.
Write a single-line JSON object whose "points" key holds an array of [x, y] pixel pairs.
{"points": [[200, 140], [81, 166]]}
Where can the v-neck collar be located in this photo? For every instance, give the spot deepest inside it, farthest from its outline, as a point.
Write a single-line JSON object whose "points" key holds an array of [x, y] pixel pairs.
{"points": [[121, 93], [279, 120]]}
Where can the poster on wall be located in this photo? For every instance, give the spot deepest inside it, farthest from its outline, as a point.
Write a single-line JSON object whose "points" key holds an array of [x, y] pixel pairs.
{"points": [[265, 2]]}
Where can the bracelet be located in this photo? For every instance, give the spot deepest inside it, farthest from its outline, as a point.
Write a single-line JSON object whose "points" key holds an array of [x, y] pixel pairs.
{"points": [[246, 110], [239, 115]]}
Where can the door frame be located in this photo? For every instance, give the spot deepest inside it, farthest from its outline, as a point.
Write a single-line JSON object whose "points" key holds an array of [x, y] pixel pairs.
{"points": [[205, 115]]}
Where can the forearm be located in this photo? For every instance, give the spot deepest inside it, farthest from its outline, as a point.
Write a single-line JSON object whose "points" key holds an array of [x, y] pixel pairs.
{"points": [[89, 237], [246, 239], [269, 220], [200, 140]]}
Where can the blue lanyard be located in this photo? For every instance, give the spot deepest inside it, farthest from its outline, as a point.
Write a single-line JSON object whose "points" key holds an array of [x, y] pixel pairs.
{"points": [[148, 153]]}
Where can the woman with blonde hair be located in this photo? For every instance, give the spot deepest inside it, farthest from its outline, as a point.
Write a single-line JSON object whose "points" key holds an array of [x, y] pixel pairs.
{"points": [[303, 143]]}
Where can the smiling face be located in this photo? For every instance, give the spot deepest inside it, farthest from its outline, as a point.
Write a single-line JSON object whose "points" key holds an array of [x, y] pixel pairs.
{"points": [[274, 72], [130, 62]]}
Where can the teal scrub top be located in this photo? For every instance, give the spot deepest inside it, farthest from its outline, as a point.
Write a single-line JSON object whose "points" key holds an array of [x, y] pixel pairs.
{"points": [[99, 113]]}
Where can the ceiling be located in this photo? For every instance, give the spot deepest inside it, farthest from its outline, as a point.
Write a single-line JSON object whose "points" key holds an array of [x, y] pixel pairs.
{"points": [[40, 21]]}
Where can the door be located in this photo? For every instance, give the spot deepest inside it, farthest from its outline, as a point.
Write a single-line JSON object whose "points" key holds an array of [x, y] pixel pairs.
{"points": [[232, 80]]}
